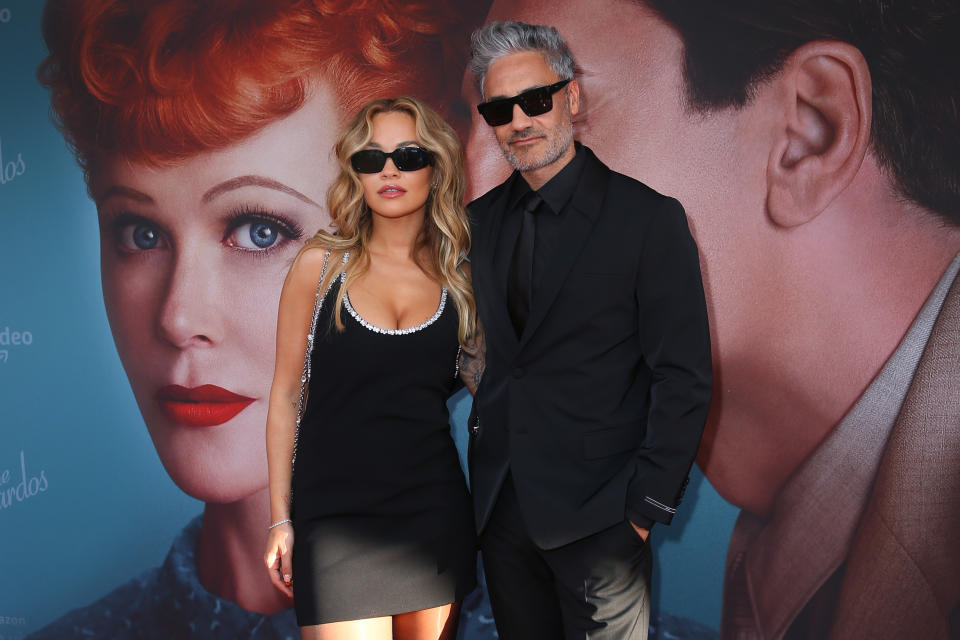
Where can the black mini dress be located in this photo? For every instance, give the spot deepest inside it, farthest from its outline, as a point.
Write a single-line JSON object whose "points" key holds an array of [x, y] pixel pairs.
{"points": [[381, 513]]}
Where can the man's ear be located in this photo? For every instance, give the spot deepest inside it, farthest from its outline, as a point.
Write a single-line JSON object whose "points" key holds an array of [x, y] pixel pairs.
{"points": [[825, 86], [573, 97]]}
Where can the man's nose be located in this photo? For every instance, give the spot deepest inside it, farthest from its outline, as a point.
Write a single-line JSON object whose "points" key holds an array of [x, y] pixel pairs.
{"points": [[520, 119]]}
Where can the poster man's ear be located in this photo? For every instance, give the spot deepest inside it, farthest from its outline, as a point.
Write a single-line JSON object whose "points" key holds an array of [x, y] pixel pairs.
{"points": [[826, 129]]}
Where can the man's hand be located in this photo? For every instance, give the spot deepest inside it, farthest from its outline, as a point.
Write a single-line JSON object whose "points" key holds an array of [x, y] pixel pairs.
{"points": [[643, 533]]}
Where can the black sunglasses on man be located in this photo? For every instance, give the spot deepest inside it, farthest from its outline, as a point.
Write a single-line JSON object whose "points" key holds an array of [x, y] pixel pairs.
{"points": [[533, 102]]}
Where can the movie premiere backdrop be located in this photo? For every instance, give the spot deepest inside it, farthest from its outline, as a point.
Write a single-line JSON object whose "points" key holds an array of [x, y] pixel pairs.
{"points": [[829, 268]]}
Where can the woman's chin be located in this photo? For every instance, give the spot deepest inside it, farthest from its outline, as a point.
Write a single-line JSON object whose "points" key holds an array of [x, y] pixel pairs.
{"points": [[225, 482], [217, 492], [220, 464]]}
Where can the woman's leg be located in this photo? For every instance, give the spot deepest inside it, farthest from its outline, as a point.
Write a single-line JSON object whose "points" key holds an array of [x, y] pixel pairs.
{"points": [[367, 629], [438, 623]]}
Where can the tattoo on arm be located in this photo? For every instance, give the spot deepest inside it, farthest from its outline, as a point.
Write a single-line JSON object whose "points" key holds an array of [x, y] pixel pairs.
{"points": [[472, 361]]}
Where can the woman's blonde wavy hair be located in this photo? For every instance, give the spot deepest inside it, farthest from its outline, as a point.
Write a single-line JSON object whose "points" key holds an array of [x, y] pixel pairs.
{"points": [[446, 229]]}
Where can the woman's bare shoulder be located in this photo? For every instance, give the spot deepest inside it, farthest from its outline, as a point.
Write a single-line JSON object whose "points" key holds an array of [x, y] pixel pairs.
{"points": [[307, 267]]}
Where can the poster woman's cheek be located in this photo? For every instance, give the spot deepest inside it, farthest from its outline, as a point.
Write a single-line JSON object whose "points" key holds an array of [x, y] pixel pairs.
{"points": [[193, 256]]}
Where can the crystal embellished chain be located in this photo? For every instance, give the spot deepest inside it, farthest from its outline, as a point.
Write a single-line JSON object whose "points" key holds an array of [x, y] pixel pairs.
{"points": [[305, 373]]}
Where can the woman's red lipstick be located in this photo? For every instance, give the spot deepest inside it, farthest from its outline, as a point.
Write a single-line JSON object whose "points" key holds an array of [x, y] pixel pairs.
{"points": [[204, 406]]}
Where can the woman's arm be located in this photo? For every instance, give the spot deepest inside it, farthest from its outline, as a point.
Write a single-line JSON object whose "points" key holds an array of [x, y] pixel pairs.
{"points": [[293, 323]]}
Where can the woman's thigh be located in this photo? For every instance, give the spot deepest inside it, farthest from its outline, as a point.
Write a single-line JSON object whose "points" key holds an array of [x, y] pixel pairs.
{"points": [[437, 623], [367, 629]]}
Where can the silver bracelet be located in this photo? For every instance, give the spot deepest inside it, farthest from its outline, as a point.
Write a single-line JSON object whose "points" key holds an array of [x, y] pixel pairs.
{"points": [[278, 523]]}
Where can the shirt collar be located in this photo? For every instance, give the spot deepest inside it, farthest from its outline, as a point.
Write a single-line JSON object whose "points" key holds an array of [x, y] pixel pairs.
{"points": [[558, 191], [826, 496]]}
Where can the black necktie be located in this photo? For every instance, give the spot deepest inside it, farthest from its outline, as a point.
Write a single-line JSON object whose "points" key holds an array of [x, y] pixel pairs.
{"points": [[520, 276]]}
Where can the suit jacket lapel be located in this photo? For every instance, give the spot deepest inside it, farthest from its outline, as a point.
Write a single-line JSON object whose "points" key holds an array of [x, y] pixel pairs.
{"points": [[912, 518], [495, 251], [505, 241], [584, 209]]}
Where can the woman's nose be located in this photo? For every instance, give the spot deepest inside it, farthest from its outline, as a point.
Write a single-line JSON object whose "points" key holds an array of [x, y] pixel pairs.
{"points": [[189, 313], [389, 169]]}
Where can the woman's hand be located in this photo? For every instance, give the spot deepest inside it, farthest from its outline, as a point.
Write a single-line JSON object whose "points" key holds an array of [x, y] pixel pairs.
{"points": [[279, 557]]}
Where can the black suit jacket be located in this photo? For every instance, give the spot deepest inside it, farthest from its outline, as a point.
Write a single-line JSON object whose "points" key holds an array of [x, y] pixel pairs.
{"points": [[598, 408]]}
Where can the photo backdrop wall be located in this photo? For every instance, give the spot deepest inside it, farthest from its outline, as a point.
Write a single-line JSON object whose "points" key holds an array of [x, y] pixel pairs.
{"points": [[86, 503]]}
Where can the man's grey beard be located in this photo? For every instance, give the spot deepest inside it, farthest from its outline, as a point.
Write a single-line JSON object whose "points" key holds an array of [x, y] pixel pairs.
{"points": [[553, 152]]}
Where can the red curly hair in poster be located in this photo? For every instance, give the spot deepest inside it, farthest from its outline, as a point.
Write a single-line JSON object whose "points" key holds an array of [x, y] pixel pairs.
{"points": [[161, 80]]}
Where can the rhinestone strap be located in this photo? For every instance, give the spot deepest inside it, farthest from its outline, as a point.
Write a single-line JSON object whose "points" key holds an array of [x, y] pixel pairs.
{"points": [[305, 373]]}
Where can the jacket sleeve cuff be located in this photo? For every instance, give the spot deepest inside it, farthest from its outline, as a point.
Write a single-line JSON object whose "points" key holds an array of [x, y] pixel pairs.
{"points": [[640, 507]]}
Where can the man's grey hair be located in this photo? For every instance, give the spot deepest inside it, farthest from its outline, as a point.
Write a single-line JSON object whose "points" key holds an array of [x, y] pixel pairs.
{"points": [[498, 39]]}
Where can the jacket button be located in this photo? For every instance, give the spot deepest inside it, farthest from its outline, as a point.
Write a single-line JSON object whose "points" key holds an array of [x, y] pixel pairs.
{"points": [[518, 373]]}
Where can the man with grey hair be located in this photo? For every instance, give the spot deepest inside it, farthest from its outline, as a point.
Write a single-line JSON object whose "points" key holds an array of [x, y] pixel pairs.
{"points": [[594, 383]]}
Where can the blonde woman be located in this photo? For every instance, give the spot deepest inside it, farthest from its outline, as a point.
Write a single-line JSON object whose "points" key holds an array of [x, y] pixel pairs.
{"points": [[380, 514]]}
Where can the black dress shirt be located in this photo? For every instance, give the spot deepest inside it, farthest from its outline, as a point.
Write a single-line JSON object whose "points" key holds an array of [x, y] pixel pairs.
{"points": [[556, 195]]}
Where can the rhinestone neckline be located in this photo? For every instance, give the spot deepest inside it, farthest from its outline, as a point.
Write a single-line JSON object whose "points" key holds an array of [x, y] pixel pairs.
{"points": [[391, 332]]}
